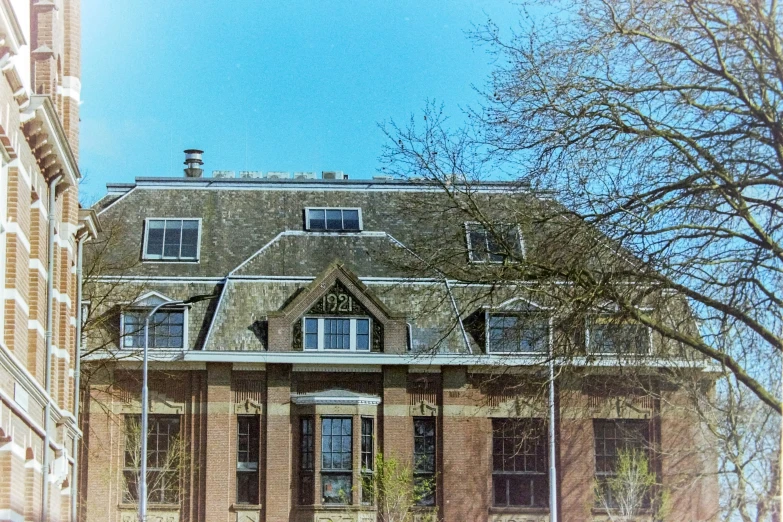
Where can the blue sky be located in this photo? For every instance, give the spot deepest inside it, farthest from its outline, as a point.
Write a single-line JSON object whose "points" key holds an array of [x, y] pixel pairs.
{"points": [[261, 85]]}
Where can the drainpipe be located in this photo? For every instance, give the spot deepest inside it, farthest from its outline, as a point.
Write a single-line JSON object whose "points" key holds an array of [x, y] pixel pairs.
{"points": [[552, 440], [49, 320], [77, 370]]}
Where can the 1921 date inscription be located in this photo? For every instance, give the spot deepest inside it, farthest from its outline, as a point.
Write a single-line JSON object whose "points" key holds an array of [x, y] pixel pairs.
{"points": [[337, 302]]}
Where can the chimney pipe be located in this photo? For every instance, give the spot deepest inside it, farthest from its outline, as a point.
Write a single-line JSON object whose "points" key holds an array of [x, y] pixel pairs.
{"points": [[193, 162]]}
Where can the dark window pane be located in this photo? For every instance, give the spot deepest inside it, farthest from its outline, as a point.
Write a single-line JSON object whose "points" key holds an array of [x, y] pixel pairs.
{"points": [[519, 462], [424, 458], [334, 220], [478, 244], [171, 241], [351, 219], [162, 458], [155, 238], [317, 219], [247, 487], [189, 239]]}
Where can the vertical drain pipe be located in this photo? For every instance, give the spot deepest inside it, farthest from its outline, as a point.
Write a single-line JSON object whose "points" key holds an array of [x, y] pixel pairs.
{"points": [[52, 210], [77, 370]]}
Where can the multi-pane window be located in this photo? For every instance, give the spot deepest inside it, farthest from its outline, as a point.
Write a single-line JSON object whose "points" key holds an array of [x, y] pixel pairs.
{"points": [[247, 459], [306, 460], [424, 459], [518, 333], [164, 452], [333, 219], [612, 438], [622, 338], [336, 460], [519, 463], [166, 329], [367, 459], [172, 239], [494, 244], [335, 333]]}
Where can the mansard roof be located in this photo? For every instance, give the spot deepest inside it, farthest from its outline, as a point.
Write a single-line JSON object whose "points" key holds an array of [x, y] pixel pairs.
{"points": [[259, 225]]}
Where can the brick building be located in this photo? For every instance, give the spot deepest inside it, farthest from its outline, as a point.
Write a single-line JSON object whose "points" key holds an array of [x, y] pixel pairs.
{"points": [[41, 232], [330, 340]]}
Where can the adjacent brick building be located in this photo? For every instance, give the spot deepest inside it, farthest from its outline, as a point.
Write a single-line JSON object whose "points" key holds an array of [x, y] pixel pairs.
{"points": [[41, 232], [332, 338]]}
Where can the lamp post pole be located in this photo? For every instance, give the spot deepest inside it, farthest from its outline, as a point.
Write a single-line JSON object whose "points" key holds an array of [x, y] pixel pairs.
{"points": [[144, 408]]}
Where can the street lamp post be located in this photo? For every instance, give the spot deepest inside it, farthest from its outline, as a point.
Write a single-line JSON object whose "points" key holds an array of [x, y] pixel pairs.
{"points": [[144, 407], [145, 392]]}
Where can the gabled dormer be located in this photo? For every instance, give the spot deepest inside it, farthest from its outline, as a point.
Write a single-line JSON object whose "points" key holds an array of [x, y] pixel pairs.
{"points": [[337, 314]]}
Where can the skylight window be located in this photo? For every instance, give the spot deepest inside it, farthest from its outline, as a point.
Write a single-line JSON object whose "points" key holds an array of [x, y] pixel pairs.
{"points": [[172, 239], [333, 219], [496, 243]]}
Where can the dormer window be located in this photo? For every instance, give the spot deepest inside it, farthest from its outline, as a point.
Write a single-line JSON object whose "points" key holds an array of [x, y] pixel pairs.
{"points": [[518, 333], [494, 243], [608, 337], [172, 239], [337, 333], [167, 328], [333, 219]]}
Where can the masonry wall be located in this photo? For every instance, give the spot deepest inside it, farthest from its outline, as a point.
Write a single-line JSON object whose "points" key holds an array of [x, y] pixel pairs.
{"points": [[210, 397], [46, 64]]}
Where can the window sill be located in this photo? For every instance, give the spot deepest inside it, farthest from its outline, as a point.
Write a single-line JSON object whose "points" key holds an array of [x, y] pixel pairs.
{"points": [[603, 511], [150, 507], [499, 510], [246, 507], [337, 507]]}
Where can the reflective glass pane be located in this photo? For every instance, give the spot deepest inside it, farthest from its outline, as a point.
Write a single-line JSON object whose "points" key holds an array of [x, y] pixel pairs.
{"points": [[334, 220], [155, 238], [351, 219], [189, 239], [172, 239], [317, 219]]}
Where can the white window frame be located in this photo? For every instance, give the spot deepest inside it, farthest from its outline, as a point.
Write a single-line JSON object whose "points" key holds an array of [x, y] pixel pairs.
{"points": [[550, 330], [307, 219], [469, 243], [147, 310], [162, 258], [352, 334], [589, 322]]}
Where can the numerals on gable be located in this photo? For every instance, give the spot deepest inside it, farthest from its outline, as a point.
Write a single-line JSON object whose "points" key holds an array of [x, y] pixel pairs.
{"points": [[338, 301]]}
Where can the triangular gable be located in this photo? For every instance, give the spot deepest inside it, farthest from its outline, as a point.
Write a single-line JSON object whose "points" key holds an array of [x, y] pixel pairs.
{"points": [[150, 300], [337, 291], [520, 304], [336, 280]]}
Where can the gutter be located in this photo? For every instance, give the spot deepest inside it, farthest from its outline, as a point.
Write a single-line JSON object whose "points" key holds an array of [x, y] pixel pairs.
{"points": [[49, 320], [78, 372]]}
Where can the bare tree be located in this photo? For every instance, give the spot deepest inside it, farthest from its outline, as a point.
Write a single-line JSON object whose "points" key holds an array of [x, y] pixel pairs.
{"points": [[656, 124], [646, 143], [165, 464]]}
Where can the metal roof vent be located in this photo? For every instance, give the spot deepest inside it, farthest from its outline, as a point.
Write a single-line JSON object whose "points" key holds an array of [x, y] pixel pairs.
{"points": [[193, 162]]}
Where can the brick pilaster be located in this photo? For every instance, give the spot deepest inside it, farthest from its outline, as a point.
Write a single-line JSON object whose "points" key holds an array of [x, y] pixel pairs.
{"points": [[278, 444], [219, 463], [465, 470]]}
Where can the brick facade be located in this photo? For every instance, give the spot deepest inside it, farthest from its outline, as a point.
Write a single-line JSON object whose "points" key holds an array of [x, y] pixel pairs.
{"points": [[38, 147]]}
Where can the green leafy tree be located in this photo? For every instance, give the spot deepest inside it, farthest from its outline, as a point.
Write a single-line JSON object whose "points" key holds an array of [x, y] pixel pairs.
{"points": [[396, 492]]}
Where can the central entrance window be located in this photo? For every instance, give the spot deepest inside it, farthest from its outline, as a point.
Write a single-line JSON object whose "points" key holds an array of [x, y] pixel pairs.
{"points": [[336, 460], [337, 333]]}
